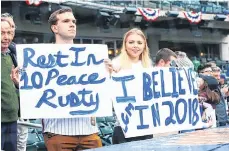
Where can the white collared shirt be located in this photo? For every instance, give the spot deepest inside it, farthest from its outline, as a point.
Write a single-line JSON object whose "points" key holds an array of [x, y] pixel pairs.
{"points": [[70, 126]]}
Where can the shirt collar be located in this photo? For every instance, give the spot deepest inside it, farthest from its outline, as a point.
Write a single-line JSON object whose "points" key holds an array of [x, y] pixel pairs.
{"points": [[6, 52]]}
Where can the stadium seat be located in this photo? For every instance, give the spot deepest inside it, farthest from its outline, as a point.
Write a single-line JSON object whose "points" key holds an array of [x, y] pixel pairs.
{"points": [[35, 141], [37, 121], [41, 146], [223, 64], [101, 124], [203, 60], [100, 119], [110, 119], [32, 147], [216, 58], [107, 140], [209, 59], [106, 136], [219, 63], [227, 72], [107, 130], [32, 137]]}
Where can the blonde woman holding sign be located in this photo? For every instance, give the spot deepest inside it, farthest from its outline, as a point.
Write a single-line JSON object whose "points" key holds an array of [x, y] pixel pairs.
{"points": [[134, 52], [134, 55]]}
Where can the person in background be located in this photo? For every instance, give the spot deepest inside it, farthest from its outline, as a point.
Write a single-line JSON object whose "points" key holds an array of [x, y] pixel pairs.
{"points": [[165, 58], [9, 18], [205, 95], [221, 112], [196, 63], [35, 40], [22, 131], [24, 41], [9, 96], [183, 61], [222, 81], [134, 55], [12, 46], [214, 71], [205, 70]]}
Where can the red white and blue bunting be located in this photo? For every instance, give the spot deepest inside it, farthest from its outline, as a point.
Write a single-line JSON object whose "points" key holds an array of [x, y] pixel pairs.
{"points": [[33, 2], [148, 13], [193, 17]]}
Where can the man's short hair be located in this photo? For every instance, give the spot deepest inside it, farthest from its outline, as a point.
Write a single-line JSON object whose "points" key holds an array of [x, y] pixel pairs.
{"points": [[3, 19], [165, 54], [53, 17], [211, 63], [216, 69], [202, 67], [6, 15]]}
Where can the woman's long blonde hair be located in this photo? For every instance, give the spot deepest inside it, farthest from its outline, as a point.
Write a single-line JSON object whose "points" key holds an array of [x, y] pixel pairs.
{"points": [[125, 62]]}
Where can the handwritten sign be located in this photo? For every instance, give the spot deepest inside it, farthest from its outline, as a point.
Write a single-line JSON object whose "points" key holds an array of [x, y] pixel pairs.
{"points": [[208, 115], [63, 81], [156, 100]]}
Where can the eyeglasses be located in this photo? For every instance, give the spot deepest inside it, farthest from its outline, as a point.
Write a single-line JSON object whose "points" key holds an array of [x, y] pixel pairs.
{"points": [[216, 69], [206, 71]]}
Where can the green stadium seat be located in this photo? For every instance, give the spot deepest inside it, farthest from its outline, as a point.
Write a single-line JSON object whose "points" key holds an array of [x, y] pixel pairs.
{"points": [[107, 140], [106, 135], [216, 58], [110, 119], [101, 124], [209, 59], [32, 137], [107, 130], [31, 147], [203, 60], [100, 119], [41, 146], [218, 62]]}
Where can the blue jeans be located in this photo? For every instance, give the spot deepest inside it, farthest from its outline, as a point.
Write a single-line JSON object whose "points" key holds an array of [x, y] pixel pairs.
{"points": [[9, 136]]}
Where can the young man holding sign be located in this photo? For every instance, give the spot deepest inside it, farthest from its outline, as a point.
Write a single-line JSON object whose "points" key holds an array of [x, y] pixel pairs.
{"points": [[68, 133]]}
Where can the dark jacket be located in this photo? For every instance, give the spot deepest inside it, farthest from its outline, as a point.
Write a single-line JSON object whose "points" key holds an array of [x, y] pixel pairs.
{"points": [[13, 54], [210, 90], [221, 113]]}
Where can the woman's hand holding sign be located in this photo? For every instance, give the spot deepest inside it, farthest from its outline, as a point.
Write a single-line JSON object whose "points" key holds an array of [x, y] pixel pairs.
{"points": [[109, 66]]}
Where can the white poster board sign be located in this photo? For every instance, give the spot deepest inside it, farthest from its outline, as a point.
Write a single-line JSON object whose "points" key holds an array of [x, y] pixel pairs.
{"points": [[208, 115], [156, 100], [63, 81]]}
